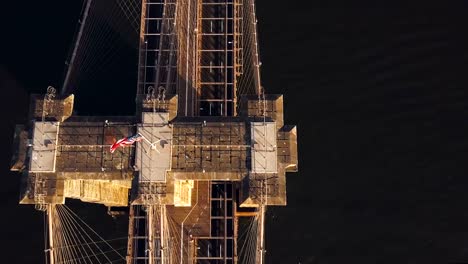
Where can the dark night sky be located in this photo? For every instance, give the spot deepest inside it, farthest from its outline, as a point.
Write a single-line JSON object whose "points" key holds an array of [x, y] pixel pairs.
{"points": [[379, 96]]}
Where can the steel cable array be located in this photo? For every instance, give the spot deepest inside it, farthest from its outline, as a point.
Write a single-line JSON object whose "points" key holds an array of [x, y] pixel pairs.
{"points": [[74, 241]]}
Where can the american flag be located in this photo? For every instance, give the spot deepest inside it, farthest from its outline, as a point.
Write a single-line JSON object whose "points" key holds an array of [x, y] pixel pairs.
{"points": [[126, 141]]}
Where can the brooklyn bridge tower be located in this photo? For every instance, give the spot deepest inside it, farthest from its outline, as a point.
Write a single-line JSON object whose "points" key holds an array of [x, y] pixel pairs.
{"points": [[214, 152]]}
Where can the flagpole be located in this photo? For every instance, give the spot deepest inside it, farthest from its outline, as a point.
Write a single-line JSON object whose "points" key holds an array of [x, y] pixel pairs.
{"points": [[151, 144]]}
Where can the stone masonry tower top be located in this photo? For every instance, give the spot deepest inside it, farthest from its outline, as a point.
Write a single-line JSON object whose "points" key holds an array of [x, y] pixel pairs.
{"points": [[215, 152]]}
